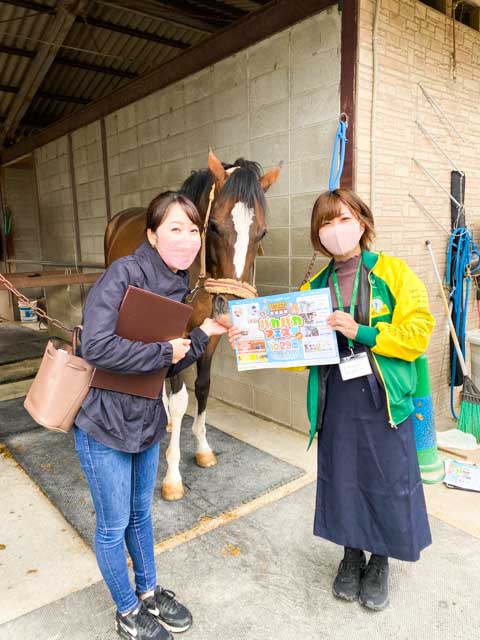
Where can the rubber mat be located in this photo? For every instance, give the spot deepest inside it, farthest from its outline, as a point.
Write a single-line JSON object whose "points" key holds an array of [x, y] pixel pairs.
{"points": [[242, 473], [14, 419], [20, 343]]}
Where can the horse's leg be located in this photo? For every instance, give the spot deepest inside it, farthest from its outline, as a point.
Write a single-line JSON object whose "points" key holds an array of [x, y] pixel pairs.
{"points": [[172, 486], [204, 456], [167, 409]]}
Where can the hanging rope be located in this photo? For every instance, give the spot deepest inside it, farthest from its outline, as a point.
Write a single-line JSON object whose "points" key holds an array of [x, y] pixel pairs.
{"points": [[461, 249], [338, 156]]}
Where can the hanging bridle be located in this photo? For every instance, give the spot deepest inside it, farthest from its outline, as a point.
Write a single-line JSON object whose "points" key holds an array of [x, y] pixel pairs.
{"points": [[230, 286]]}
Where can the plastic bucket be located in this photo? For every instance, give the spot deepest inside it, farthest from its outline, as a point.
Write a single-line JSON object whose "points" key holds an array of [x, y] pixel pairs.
{"points": [[474, 338], [26, 313]]}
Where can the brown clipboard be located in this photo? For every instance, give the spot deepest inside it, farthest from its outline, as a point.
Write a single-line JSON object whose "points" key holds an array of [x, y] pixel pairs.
{"points": [[144, 317]]}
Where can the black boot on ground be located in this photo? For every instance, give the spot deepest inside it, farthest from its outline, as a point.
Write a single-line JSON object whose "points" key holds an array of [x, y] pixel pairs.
{"points": [[141, 625], [374, 586], [347, 583]]}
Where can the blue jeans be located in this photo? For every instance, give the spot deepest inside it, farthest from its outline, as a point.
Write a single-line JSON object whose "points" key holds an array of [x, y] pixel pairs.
{"points": [[122, 486]]}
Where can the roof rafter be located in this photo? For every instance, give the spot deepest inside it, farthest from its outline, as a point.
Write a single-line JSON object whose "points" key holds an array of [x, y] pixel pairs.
{"points": [[102, 24], [71, 62], [56, 33], [129, 31], [6, 88], [151, 9]]}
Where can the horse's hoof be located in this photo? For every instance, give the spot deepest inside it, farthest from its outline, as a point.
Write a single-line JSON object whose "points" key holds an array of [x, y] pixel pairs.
{"points": [[169, 427], [206, 459], [172, 492]]}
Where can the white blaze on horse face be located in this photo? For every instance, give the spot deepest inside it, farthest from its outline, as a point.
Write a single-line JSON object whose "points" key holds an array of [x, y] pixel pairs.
{"points": [[242, 220]]}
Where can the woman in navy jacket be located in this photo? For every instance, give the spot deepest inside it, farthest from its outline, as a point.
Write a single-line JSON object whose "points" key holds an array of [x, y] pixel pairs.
{"points": [[117, 435]]}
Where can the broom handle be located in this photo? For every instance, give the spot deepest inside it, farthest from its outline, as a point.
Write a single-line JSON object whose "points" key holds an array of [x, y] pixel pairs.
{"points": [[453, 334]]}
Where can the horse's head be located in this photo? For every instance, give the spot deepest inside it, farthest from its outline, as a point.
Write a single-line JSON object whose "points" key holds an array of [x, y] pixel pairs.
{"points": [[237, 221]]}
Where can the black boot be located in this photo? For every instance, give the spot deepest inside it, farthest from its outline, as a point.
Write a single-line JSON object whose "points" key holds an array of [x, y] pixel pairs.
{"points": [[347, 583], [374, 586]]}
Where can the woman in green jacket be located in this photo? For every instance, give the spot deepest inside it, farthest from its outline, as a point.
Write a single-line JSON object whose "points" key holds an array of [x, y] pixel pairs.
{"points": [[369, 492]]}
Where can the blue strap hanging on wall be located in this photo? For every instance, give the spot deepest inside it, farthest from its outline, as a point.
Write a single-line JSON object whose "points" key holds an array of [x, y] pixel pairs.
{"points": [[338, 156]]}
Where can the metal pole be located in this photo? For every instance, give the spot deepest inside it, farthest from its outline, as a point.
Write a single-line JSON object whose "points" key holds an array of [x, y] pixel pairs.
{"points": [[59, 263]]}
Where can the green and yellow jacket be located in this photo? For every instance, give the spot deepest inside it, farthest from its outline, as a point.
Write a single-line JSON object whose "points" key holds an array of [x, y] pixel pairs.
{"points": [[395, 325]]}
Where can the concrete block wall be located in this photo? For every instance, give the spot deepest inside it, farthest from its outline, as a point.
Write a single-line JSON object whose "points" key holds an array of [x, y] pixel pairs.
{"points": [[90, 191], [57, 224], [415, 46], [21, 199], [278, 100]]}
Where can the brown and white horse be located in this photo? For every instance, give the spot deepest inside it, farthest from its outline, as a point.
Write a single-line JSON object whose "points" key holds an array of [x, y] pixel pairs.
{"points": [[231, 203]]}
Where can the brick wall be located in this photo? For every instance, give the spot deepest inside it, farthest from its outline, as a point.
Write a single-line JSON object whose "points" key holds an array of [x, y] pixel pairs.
{"points": [[415, 45]]}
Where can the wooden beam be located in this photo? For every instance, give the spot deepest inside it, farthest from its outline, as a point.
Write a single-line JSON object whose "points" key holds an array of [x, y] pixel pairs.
{"points": [[70, 62], [247, 31], [101, 24], [151, 9], [128, 31], [348, 89], [15, 51], [35, 279], [184, 8], [56, 33], [6, 88], [96, 68]]}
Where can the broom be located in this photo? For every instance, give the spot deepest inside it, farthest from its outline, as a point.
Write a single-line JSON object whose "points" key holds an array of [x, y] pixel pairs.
{"points": [[469, 418]]}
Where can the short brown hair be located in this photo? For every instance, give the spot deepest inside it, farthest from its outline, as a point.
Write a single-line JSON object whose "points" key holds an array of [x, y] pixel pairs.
{"points": [[159, 206], [328, 206]]}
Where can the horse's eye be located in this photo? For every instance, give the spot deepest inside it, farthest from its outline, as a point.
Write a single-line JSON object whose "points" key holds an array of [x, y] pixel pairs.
{"points": [[213, 228]]}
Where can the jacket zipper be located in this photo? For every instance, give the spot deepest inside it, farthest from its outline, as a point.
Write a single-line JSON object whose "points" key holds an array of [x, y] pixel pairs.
{"points": [[391, 422]]}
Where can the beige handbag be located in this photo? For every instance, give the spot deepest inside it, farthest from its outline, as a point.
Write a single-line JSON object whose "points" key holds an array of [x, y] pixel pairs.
{"points": [[60, 386]]}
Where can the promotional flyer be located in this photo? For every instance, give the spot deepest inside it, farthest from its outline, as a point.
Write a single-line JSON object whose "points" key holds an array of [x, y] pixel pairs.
{"points": [[286, 330]]}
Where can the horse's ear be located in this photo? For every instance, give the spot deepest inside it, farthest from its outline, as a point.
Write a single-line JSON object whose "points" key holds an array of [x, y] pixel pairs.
{"points": [[217, 169], [270, 177]]}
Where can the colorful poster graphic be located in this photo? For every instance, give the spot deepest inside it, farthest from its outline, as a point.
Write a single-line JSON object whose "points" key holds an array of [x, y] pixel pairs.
{"points": [[287, 330]]}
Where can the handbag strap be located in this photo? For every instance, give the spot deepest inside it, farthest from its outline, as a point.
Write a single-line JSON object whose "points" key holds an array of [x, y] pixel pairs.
{"points": [[24, 300], [76, 338]]}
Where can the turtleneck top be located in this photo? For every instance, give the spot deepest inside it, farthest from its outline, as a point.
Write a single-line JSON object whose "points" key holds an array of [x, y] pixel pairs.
{"points": [[346, 277]]}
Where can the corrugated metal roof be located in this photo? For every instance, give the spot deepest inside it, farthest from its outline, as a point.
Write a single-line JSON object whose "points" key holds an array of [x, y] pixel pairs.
{"points": [[98, 52]]}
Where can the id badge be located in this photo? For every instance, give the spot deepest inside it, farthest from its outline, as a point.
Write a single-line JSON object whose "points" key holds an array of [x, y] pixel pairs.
{"points": [[355, 366]]}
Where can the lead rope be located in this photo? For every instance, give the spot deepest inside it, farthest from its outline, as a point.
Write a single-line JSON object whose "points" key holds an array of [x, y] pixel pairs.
{"points": [[24, 300]]}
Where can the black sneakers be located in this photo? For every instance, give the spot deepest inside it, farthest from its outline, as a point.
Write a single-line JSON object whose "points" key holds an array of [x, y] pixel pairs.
{"points": [[347, 583], [140, 625], [374, 586], [171, 613]]}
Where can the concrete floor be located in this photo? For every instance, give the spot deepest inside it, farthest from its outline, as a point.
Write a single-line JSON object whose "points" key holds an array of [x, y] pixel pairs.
{"points": [[43, 562]]}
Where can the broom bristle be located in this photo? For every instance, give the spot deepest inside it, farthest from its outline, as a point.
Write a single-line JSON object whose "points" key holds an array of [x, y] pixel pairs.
{"points": [[469, 418]]}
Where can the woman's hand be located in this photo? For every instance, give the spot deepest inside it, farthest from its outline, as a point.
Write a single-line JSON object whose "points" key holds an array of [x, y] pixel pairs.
{"points": [[233, 334], [181, 347], [343, 322], [213, 328]]}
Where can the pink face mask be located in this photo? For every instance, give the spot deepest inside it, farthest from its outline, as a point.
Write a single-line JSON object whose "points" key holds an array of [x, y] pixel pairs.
{"points": [[341, 238], [178, 254]]}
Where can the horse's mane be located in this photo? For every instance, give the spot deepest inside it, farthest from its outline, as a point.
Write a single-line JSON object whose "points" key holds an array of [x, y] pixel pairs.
{"points": [[242, 186]]}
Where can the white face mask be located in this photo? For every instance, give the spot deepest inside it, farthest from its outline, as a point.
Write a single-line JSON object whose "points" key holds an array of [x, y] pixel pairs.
{"points": [[339, 239]]}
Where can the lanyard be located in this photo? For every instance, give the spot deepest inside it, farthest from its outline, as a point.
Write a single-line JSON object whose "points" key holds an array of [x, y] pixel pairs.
{"points": [[338, 295]]}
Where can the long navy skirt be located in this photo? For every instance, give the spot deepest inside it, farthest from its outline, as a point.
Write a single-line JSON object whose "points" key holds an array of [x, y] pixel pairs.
{"points": [[369, 491]]}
